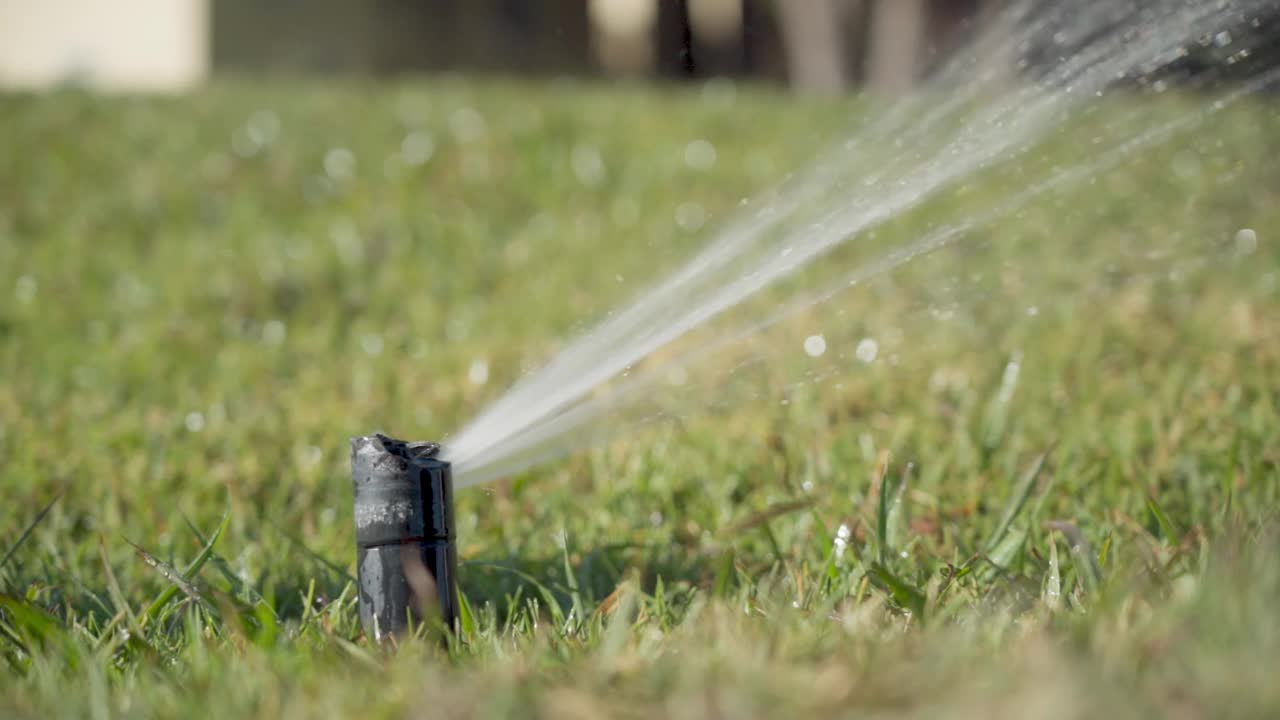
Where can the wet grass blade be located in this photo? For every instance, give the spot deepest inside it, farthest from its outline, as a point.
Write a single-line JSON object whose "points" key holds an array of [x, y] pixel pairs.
{"points": [[1081, 553], [238, 585], [167, 571], [153, 610]]}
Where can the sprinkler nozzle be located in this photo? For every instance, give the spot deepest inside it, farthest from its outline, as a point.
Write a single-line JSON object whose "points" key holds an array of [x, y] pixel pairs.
{"points": [[406, 561]]}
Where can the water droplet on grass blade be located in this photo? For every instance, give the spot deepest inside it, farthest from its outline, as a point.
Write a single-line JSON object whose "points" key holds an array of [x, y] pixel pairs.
{"points": [[815, 345]]}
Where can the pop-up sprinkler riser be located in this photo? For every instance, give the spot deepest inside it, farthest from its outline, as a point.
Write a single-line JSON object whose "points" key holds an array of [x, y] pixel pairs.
{"points": [[406, 560]]}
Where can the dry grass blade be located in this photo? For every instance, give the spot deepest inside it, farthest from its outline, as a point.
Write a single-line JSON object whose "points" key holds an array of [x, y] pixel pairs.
{"points": [[769, 514]]}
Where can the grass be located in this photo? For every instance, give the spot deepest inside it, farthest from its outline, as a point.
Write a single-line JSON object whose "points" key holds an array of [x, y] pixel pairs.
{"points": [[1053, 493]]}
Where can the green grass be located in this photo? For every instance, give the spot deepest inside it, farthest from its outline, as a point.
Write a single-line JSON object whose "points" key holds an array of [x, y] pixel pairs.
{"points": [[189, 335]]}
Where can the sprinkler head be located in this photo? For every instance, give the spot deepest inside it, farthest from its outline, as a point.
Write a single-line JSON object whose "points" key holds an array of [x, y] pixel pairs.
{"points": [[406, 560]]}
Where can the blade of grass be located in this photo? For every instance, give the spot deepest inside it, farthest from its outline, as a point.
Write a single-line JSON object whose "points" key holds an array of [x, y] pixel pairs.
{"points": [[314, 555], [167, 571], [1017, 501], [906, 595], [29, 529], [1052, 595], [882, 507], [896, 519], [117, 595], [206, 552], [1002, 556], [1081, 553], [236, 583], [36, 624], [1170, 535]]}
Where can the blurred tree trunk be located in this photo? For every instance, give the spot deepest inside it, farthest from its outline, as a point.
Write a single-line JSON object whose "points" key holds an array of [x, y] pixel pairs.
{"points": [[896, 37], [814, 38]]}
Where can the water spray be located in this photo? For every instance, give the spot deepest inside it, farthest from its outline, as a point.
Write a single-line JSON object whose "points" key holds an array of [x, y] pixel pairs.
{"points": [[406, 559]]}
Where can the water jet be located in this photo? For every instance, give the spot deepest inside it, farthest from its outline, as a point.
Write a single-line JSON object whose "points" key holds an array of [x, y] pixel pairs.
{"points": [[406, 559]]}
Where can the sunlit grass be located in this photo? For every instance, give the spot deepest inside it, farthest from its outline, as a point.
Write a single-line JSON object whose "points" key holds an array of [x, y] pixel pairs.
{"points": [[203, 298]]}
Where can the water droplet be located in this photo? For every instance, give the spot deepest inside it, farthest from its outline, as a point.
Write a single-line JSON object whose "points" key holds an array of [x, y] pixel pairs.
{"points": [[867, 350], [467, 124], [1222, 39], [25, 289], [700, 155], [243, 144], [312, 455], [1246, 241], [815, 345], [843, 533], [263, 127], [690, 217], [478, 373], [587, 164], [194, 422], [371, 344], [417, 149], [340, 164], [346, 240], [273, 332]]}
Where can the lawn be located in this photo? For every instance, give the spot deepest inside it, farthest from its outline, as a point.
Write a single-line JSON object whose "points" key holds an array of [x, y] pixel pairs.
{"points": [[1050, 490]]}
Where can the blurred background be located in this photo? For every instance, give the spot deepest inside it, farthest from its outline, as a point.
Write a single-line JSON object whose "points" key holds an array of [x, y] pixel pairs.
{"points": [[814, 46]]}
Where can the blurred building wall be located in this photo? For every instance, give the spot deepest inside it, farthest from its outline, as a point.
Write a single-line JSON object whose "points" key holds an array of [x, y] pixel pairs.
{"points": [[113, 45], [395, 36]]}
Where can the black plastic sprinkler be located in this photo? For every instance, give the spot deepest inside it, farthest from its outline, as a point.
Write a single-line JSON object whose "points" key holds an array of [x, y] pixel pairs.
{"points": [[406, 561]]}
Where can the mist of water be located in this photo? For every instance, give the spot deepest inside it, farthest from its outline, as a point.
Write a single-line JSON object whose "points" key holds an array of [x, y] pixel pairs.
{"points": [[979, 113]]}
